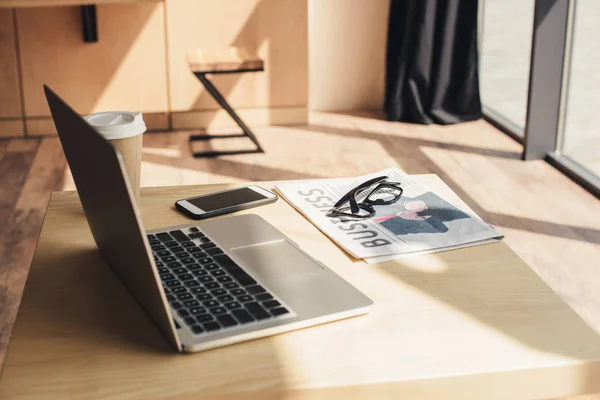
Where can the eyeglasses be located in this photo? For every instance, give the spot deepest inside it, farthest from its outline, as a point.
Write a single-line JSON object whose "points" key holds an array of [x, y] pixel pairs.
{"points": [[380, 192]]}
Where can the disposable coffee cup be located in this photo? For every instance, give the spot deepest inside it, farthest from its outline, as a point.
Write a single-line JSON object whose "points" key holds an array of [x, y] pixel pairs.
{"points": [[124, 130]]}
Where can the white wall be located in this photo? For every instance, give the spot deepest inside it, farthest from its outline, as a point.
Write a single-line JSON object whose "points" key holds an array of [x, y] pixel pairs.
{"points": [[346, 53]]}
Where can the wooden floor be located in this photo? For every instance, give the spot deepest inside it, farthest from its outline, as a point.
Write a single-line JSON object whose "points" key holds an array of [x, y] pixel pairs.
{"points": [[551, 222]]}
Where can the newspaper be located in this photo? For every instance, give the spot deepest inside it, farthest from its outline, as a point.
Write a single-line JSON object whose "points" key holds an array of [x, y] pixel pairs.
{"points": [[420, 222]]}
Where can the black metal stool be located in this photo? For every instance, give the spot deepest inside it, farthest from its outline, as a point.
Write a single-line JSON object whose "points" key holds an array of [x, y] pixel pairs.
{"points": [[235, 61]]}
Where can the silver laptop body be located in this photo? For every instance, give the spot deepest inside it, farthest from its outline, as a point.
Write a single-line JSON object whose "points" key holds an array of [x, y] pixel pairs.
{"points": [[250, 279]]}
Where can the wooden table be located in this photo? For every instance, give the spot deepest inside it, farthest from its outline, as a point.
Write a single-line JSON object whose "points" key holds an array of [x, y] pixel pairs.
{"points": [[465, 324]]}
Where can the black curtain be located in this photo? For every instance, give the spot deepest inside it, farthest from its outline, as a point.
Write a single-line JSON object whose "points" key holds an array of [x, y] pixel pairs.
{"points": [[431, 66]]}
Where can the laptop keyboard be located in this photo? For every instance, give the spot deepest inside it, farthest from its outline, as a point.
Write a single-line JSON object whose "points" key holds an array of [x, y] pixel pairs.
{"points": [[205, 287]]}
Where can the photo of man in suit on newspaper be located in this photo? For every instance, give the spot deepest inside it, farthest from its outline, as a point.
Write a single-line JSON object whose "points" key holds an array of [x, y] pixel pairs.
{"points": [[424, 218]]}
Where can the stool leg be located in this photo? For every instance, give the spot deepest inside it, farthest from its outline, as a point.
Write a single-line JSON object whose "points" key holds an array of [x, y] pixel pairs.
{"points": [[223, 103]]}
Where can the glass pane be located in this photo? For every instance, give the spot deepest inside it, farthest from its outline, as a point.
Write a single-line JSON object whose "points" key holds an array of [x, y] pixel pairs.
{"points": [[505, 56], [582, 126]]}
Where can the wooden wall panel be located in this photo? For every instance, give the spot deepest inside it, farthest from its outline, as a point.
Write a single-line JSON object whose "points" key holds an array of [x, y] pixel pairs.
{"points": [[11, 114], [124, 70], [275, 29], [347, 54]]}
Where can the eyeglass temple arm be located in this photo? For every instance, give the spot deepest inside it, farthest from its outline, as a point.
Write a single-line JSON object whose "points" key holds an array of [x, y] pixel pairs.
{"points": [[351, 192]]}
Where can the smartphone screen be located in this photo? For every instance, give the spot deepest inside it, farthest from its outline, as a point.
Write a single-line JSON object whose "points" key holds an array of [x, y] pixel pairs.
{"points": [[226, 199]]}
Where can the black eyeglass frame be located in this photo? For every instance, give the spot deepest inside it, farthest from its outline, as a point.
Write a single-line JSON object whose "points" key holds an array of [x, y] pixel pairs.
{"points": [[367, 203]]}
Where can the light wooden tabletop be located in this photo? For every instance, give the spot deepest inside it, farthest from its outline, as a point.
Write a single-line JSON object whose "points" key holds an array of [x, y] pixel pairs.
{"points": [[466, 323]]}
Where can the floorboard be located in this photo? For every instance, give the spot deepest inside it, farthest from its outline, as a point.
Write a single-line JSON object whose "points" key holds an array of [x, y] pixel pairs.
{"points": [[552, 223]]}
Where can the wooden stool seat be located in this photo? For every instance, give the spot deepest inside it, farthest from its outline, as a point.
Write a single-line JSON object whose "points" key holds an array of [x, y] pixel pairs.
{"points": [[231, 60]]}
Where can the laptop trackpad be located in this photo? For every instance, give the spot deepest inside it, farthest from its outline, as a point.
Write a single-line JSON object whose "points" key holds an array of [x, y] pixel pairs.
{"points": [[276, 260]]}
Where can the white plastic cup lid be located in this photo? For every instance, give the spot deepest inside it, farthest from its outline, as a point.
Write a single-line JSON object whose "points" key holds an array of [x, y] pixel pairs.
{"points": [[117, 124]]}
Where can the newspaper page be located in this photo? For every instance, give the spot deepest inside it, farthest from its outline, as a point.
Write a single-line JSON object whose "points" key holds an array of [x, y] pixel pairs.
{"points": [[419, 222]]}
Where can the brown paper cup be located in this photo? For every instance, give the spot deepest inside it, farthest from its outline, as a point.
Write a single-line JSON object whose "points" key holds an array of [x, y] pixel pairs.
{"points": [[124, 130]]}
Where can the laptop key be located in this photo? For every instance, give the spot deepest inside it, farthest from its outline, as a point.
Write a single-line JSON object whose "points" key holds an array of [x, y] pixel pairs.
{"points": [[163, 270], [242, 277], [173, 264], [257, 311], [190, 321], [256, 289], [218, 272], [179, 235], [205, 279], [151, 237], [218, 311], [243, 316], [225, 279], [245, 298], [154, 242], [229, 285], [204, 318], [188, 244], [191, 303], [204, 239], [225, 298], [226, 321], [211, 285], [168, 259], [198, 310], [191, 283], [278, 311], [197, 329], [172, 283], [179, 289], [158, 247], [211, 326], [238, 274], [177, 249], [237, 292], [183, 312], [233, 305], [164, 237], [204, 296], [214, 251], [163, 253], [205, 260], [180, 270], [194, 249], [210, 303], [263, 296], [171, 244], [186, 277], [159, 264], [193, 267], [188, 260], [200, 272], [211, 267], [182, 254], [208, 245], [271, 304], [167, 277], [198, 290], [199, 255], [194, 229], [218, 292], [176, 305], [185, 296]]}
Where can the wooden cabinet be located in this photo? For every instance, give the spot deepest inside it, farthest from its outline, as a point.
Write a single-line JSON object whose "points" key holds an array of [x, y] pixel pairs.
{"points": [[139, 62]]}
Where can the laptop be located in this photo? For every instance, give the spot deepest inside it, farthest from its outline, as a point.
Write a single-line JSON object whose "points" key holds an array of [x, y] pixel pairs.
{"points": [[205, 284]]}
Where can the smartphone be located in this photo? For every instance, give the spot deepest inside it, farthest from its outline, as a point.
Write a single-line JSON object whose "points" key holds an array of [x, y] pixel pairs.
{"points": [[227, 201]]}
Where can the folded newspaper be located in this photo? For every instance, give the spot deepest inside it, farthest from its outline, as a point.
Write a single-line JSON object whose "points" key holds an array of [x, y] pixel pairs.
{"points": [[420, 222]]}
